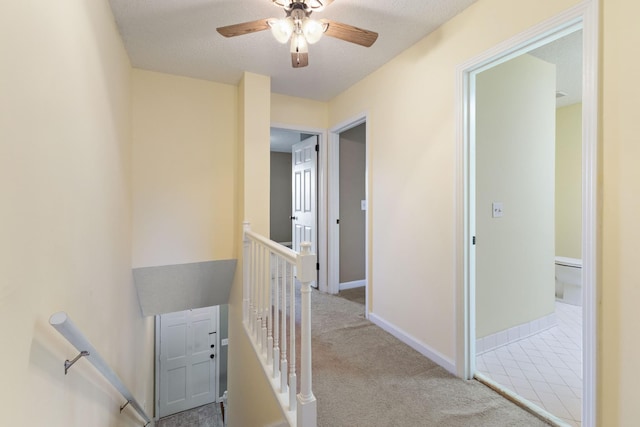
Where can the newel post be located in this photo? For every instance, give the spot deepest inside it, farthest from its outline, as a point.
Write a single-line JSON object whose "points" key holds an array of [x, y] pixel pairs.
{"points": [[306, 272], [246, 254]]}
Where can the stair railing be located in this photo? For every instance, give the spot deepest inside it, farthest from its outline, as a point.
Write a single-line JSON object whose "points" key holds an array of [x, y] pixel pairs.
{"points": [[63, 324], [269, 310]]}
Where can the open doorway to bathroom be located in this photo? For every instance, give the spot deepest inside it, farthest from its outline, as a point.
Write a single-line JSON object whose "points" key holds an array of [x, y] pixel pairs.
{"points": [[528, 193], [494, 248]]}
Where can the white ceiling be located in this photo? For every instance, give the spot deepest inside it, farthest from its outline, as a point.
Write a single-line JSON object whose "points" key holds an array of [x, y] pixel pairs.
{"points": [[179, 37], [566, 53]]}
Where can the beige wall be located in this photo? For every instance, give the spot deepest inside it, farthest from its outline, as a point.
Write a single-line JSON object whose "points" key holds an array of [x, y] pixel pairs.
{"points": [[569, 181], [184, 180], [411, 119], [302, 112], [65, 182], [620, 179], [251, 401]]}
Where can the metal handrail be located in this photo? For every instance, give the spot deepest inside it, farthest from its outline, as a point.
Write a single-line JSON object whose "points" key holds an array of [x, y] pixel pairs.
{"points": [[63, 324]]}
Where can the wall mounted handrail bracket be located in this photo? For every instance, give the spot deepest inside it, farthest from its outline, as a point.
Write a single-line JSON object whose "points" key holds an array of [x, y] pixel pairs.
{"points": [[63, 324], [69, 363]]}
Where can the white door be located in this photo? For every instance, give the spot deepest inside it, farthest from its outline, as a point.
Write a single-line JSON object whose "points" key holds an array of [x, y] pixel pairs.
{"points": [[187, 359], [303, 183]]}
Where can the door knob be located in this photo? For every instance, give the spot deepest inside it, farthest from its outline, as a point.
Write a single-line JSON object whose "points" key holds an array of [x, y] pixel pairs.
{"points": [[213, 345], [293, 217], [212, 356]]}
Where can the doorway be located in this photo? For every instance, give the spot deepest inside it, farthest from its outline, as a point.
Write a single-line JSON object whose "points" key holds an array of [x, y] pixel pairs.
{"points": [[187, 345], [473, 234], [295, 205], [348, 205]]}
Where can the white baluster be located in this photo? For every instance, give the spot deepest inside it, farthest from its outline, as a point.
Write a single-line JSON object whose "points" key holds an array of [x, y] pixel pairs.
{"points": [[283, 354], [254, 308], [265, 299], [256, 295], [307, 409], [246, 278], [270, 311], [292, 344], [276, 320]]}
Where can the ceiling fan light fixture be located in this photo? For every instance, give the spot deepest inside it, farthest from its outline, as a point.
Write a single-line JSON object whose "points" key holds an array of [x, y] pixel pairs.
{"points": [[313, 30], [299, 44], [281, 28]]}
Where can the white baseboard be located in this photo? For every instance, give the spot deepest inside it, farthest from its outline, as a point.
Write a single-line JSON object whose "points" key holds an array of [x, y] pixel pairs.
{"points": [[516, 333], [352, 285], [412, 342]]}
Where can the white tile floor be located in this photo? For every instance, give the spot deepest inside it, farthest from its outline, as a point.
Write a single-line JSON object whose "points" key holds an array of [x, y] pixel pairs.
{"points": [[545, 368]]}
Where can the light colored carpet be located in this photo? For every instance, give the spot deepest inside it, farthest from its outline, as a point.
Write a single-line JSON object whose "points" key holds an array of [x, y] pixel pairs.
{"points": [[363, 376], [202, 416], [354, 294]]}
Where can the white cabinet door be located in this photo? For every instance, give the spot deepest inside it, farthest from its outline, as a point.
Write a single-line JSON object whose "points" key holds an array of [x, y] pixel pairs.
{"points": [[187, 359]]}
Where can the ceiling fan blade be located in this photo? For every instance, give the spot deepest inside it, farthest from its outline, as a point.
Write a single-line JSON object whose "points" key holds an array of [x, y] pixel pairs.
{"points": [[244, 28], [299, 59], [319, 5], [315, 5], [350, 33]]}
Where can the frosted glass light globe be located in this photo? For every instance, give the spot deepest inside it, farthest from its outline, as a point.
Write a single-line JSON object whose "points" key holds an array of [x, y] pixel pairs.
{"points": [[312, 30], [281, 28]]}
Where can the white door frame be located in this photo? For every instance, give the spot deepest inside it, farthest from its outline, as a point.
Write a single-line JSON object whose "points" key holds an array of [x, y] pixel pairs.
{"points": [[585, 14], [333, 232], [321, 196]]}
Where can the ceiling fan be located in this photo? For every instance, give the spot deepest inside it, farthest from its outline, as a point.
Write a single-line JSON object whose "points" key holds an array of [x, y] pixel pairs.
{"points": [[298, 28]]}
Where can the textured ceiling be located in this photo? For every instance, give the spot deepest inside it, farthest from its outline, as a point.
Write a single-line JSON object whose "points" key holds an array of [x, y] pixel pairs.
{"points": [[566, 53], [179, 37]]}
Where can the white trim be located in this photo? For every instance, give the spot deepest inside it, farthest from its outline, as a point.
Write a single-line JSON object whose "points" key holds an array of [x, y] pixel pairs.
{"points": [[333, 179], [590, 220], [333, 209], [321, 192], [524, 403], [414, 343], [352, 285], [585, 13], [156, 396]]}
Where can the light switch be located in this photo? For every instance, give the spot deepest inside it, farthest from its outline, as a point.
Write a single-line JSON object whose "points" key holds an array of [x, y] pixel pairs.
{"points": [[498, 209], [363, 205]]}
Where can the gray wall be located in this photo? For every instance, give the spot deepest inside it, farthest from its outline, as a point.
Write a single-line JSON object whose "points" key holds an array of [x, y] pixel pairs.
{"points": [[352, 191], [280, 226]]}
